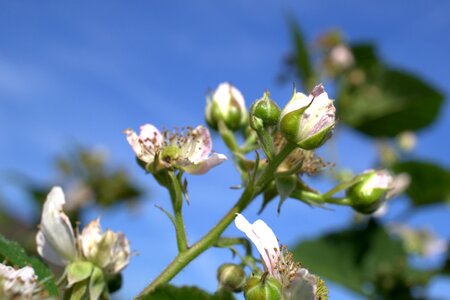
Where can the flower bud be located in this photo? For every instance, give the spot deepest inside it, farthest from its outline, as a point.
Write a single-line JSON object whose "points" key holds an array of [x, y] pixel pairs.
{"points": [[266, 110], [231, 277], [308, 120], [369, 193], [227, 105], [263, 287]]}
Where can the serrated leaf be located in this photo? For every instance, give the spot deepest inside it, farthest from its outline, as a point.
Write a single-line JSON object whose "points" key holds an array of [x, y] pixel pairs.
{"points": [[16, 255], [430, 183], [170, 292]]}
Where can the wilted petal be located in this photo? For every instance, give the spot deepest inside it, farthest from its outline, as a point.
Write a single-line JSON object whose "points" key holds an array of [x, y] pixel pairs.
{"points": [[204, 166], [56, 227], [264, 239], [89, 238], [121, 254]]}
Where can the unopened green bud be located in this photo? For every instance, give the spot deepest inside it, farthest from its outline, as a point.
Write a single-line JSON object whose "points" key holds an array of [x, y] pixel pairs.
{"points": [[231, 277], [263, 287], [308, 121], [266, 110], [369, 193], [226, 105]]}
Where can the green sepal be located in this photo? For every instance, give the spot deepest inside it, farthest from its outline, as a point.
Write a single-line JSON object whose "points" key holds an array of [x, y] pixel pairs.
{"points": [[316, 140], [78, 271], [96, 284], [79, 291], [263, 287], [285, 186], [289, 124]]}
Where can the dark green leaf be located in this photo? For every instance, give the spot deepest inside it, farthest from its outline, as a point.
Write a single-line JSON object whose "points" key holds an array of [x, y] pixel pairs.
{"points": [[13, 253], [366, 57], [430, 183], [170, 292], [382, 101], [361, 256], [391, 103]]}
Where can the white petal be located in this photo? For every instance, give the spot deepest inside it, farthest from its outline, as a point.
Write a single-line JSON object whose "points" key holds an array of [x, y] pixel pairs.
{"points": [[204, 165], [298, 101], [198, 146], [150, 136], [264, 239], [223, 95], [56, 226], [46, 251]]}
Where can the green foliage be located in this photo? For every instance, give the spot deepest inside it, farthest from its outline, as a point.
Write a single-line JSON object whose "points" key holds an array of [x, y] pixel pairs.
{"points": [[16, 256], [361, 257], [170, 292], [430, 183], [381, 101]]}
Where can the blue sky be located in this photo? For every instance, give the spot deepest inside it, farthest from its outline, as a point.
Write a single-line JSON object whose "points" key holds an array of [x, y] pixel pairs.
{"points": [[81, 72]]}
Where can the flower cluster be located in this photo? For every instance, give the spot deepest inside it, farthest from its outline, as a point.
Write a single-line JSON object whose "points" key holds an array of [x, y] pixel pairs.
{"points": [[107, 253]]}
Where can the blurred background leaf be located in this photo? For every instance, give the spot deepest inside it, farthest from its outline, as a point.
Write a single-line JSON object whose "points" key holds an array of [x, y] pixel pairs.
{"points": [[430, 183]]}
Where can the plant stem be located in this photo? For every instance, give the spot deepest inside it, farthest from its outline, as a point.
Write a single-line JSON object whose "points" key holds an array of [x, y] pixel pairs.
{"points": [[319, 198], [208, 240], [176, 196]]}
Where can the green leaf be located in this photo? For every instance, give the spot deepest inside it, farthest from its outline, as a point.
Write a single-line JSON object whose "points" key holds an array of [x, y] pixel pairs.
{"points": [[430, 183], [385, 101], [361, 256], [16, 255], [170, 292], [302, 56]]}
